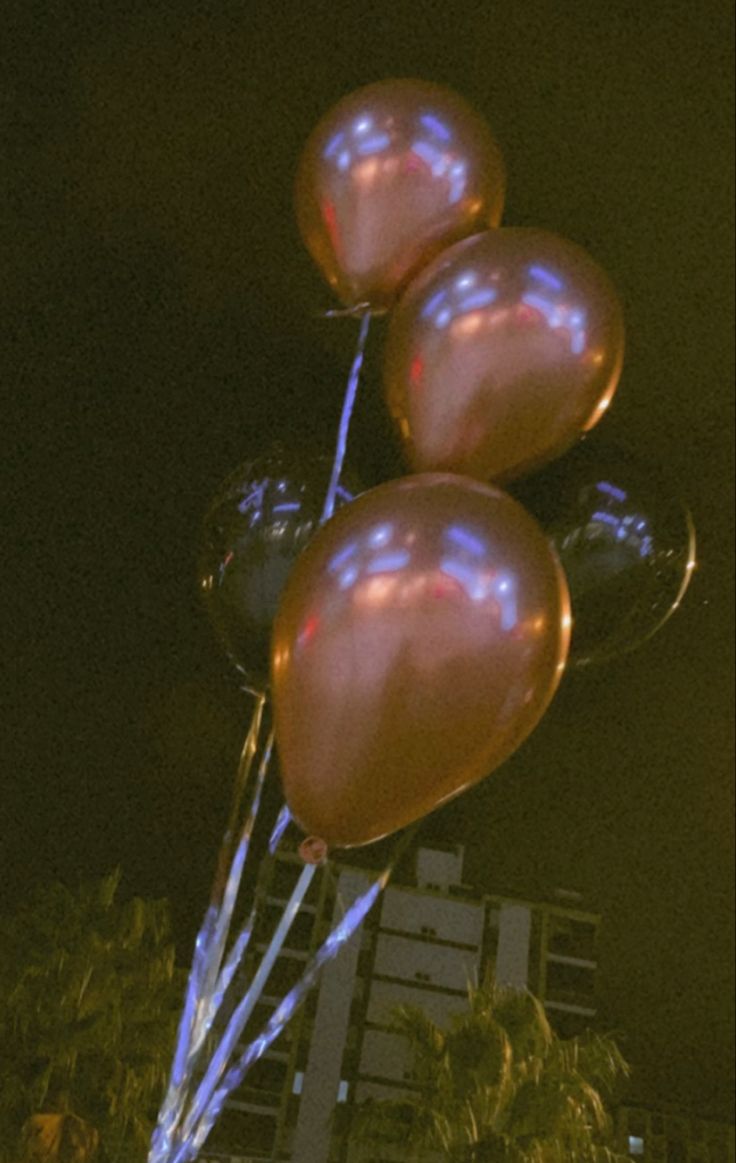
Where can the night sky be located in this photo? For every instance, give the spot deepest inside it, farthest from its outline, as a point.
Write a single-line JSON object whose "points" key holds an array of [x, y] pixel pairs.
{"points": [[163, 324]]}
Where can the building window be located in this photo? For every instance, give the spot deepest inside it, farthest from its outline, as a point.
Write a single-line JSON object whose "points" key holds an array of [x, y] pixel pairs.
{"points": [[236, 1127], [636, 1146], [284, 976], [342, 1091], [568, 1025], [570, 983], [298, 1082], [267, 1075], [572, 938], [300, 932]]}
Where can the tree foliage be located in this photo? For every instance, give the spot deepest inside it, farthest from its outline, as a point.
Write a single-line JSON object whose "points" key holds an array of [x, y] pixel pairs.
{"points": [[497, 1086], [89, 1000]]}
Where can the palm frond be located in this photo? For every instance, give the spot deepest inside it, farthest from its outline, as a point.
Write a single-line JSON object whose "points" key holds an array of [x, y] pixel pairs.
{"points": [[89, 999], [497, 1086]]}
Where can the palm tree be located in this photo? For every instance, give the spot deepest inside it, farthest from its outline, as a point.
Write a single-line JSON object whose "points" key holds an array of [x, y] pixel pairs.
{"points": [[89, 999], [497, 1086]]}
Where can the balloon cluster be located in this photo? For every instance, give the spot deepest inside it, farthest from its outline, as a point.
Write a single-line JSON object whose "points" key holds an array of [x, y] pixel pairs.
{"points": [[418, 637]]}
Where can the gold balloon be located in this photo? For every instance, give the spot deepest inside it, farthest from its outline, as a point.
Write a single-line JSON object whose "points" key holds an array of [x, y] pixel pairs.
{"points": [[419, 640], [392, 174], [501, 353]]}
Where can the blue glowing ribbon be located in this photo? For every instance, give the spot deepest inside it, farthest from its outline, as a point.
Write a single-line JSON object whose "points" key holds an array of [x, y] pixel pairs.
{"points": [[286, 1009]]}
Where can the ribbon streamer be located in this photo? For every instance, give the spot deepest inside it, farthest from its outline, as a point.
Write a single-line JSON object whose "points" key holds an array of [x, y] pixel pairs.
{"points": [[347, 412], [204, 991], [286, 1009]]}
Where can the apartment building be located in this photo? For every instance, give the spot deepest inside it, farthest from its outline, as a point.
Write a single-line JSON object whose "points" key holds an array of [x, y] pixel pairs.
{"points": [[674, 1136], [427, 938]]}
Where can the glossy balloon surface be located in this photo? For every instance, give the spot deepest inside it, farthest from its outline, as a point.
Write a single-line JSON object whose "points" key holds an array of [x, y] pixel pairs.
{"points": [[393, 173], [625, 541], [501, 353], [261, 519], [419, 640]]}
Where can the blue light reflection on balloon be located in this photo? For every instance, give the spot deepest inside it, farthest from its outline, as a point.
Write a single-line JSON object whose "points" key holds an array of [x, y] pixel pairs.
{"points": [[252, 502], [475, 587], [460, 536], [259, 521], [628, 527], [348, 577], [344, 555], [558, 313], [612, 490], [504, 590], [375, 144], [432, 146], [443, 317], [388, 563], [430, 307], [546, 276], [625, 541], [380, 535], [374, 555], [478, 587], [482, 298], [434, 125], [606, 518], [463, 298], [333, 145]]}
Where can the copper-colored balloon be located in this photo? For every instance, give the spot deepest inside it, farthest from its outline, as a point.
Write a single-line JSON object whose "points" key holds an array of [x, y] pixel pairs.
{"points": [[501, 353], [419, 640], [392, 174]]}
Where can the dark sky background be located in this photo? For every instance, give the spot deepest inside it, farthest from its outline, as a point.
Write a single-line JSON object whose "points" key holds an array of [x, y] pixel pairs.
{"points": [[162, 325]]}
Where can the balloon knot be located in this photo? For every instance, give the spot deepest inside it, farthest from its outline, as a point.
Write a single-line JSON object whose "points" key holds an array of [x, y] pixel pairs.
{"points": [[313, 850]]}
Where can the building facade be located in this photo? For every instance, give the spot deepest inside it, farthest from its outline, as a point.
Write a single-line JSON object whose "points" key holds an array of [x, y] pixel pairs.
{"points": [[426, 940], [659, 1136]]}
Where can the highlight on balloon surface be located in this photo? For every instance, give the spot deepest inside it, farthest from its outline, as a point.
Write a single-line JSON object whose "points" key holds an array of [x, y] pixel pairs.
{"points": [[393, 173], [625, 541], [501, 353], [256, 526], [418, 641]]}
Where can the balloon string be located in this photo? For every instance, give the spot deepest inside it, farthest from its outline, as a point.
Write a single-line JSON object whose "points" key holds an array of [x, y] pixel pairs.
{"points": [[237, 1022], [167, 1133], [347, 412], [283, 821], [199, 1011], [353, 311], [247, 755], [208, 1006], [340, 934]]}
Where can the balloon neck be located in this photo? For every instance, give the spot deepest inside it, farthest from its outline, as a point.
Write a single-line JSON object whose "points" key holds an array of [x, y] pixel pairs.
{"points": [[313, 850], [355, 310]]}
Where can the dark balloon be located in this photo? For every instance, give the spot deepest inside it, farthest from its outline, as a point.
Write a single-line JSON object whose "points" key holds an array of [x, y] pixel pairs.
{"points": [[626, 544], [257, 525]]}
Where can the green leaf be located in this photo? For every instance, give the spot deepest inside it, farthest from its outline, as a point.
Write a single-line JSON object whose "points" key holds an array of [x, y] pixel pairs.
{"points": [[497, 1086]]}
